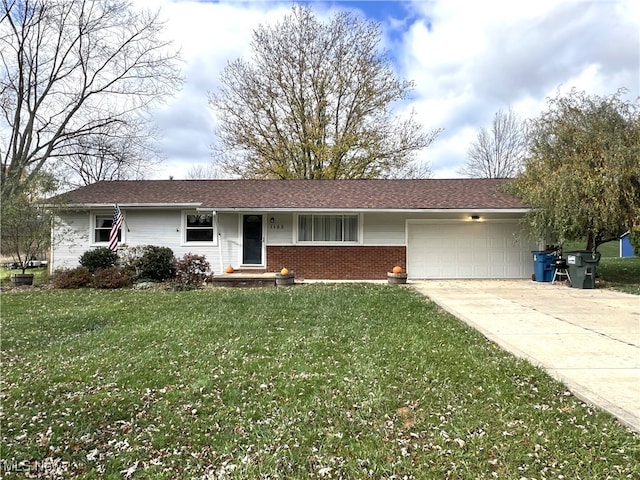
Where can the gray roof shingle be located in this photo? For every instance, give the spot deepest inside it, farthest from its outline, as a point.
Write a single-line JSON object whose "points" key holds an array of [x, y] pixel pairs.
{"points": [[303, 194]]}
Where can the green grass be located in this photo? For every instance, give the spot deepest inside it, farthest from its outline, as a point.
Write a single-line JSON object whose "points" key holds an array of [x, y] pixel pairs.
{"points": [[607, 250], [622, 274], [40, 275], [318, 381]]}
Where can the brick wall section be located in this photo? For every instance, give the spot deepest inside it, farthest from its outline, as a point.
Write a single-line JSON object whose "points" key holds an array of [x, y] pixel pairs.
{"points": [[336, 263]]}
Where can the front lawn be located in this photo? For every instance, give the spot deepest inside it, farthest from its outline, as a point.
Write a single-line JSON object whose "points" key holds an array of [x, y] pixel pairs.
{"points": [[40, 275], [317, 381], [621, 274]]}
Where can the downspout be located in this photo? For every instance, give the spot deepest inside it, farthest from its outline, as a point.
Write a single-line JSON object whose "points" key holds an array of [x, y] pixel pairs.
{"points": [[51, 240], [219, 244]]}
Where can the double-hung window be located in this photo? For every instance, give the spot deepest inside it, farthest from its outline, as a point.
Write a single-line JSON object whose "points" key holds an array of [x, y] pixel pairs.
{"points": [[328, 228], [199, 227], [102, 229]]}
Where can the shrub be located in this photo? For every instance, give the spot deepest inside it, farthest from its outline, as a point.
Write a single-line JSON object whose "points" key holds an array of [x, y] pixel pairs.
{"points": [[156, 263], [112, 277], [191, 271], [73, 278], [129, 258], [97, 258]]}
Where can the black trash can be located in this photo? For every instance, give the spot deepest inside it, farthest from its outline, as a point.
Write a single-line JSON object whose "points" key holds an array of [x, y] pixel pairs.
{"points": [[583, 268]]}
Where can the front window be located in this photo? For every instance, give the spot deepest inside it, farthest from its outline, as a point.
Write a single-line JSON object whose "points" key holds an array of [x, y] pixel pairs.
{"points": [[328, 228], [102, 229], [199, 227]]}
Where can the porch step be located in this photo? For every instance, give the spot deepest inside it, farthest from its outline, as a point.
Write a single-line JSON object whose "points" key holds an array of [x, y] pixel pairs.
{"points": [[245, 280]]}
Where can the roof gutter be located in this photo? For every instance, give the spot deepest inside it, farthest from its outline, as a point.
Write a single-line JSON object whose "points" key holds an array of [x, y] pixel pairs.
{"points": [[136, 205], [199, 207], [372, 210]]}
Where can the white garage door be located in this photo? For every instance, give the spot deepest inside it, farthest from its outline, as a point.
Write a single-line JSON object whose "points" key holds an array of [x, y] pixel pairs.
{"points": [[467, 250]]}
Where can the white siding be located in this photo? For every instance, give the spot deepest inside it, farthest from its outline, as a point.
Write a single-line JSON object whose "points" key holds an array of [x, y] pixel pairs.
{"points": [[230, 245], [69, 240], [73, 236], [280, 231], [152, 227], [383, 229]]}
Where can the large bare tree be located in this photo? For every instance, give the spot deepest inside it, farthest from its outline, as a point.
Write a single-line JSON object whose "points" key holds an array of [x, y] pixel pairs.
{"points": [[71, 70], [497, 152], [315, 101], [123, 152]]}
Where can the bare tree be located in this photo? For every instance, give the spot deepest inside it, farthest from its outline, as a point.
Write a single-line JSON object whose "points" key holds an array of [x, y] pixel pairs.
{"points": [[124, 152], [206, 172], [497, 152], [69, 69], [314, 101], [414, 170]]}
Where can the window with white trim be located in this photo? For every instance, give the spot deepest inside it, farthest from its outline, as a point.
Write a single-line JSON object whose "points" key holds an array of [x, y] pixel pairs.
{"points": [[199, 227], [102, 229], [327, 228]]}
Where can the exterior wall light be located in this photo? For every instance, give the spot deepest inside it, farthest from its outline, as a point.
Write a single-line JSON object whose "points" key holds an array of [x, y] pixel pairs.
{"points": [[475, 218]]}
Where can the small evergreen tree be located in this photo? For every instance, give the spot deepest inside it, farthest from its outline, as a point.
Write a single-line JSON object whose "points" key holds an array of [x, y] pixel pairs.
{"points": [[156, 263], [101, 257]]}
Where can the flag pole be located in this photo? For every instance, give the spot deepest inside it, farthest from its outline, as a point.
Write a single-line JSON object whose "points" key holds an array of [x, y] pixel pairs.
{"points": [[116, 223]]}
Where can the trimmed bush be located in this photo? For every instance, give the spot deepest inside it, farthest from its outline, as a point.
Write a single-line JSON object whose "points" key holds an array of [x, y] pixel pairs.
{"points": [[74, 278], [112, 277], [97, 258], [156, 263], [191, 271]]}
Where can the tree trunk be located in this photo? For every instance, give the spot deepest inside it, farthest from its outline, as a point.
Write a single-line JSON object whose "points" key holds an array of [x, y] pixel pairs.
{"points": [[590, 242]]}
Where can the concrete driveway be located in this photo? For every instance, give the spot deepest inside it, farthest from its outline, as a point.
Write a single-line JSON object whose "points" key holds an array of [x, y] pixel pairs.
{"points": [[588, 339]]}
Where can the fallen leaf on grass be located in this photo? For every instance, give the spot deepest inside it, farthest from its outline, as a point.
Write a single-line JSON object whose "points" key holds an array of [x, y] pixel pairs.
{"points": [[128, 473], [406, 415]]}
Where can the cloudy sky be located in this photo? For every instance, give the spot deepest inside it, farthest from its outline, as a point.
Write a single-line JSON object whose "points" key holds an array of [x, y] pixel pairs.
{"points": [[468, 59]]}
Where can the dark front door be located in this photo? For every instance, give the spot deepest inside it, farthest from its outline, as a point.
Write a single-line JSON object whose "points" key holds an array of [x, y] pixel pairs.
{"points": [[252, 239]]}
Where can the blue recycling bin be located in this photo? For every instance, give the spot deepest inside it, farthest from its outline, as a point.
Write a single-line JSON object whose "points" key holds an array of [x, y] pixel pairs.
{"points": [[543, 266]]}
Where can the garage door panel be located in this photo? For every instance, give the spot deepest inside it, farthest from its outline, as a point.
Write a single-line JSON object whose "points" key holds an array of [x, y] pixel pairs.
{"points": [[467, 250], [481, 271], [464, 271], [479, 242], [498, 257]]}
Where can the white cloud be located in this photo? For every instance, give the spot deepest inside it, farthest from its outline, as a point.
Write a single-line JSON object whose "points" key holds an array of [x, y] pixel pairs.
{"points": [[468, 59], [208, 36]]}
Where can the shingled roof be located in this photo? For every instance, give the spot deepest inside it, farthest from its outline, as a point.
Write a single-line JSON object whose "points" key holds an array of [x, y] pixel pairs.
{"points": [[302, 194]]}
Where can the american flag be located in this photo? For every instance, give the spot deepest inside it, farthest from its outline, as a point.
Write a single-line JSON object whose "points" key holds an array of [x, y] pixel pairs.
{"points": [[115, 228]]}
